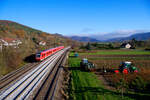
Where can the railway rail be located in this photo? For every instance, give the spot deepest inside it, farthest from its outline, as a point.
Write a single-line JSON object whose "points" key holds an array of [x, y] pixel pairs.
{"points": [[47, 89], [28, 86], [19, 73]]}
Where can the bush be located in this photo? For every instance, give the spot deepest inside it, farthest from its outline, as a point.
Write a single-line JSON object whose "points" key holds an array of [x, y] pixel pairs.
{"points": [[10, 59], [147, 49], [130, 81], [138, 84]]}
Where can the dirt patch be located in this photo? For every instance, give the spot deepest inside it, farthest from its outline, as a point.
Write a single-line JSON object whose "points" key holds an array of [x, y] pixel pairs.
{"points": [[65, 85], [104, 81]]}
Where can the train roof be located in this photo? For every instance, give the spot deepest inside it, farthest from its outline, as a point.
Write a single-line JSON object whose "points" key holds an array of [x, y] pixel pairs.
{"points": [[47, 50]]}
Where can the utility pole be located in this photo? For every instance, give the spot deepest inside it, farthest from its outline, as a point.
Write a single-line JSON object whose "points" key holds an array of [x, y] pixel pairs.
{"points": [[1, 47]]}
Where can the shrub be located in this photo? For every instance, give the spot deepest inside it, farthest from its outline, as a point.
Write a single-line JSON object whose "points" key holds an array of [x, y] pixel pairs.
{"points": [[138, 84]]}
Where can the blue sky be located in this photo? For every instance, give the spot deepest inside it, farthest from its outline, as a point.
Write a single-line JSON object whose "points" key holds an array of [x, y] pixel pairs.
{"points": [[81, 17]]}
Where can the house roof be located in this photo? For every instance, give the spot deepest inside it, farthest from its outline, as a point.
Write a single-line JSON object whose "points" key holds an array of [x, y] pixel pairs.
{"points": [[8, 39], [42, 42], [124, 44]]}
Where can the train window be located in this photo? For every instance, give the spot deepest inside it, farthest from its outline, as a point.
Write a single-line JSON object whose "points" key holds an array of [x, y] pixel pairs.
{"points": [[37, 55]]}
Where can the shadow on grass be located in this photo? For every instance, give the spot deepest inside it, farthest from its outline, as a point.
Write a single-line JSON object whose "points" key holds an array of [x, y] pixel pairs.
{"points": [[77, 68], [102, 91], [72, 68], [72, 57]]}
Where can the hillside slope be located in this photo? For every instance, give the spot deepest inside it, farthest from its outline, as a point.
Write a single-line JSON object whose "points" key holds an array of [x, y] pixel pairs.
{"points": [[15, 30]]}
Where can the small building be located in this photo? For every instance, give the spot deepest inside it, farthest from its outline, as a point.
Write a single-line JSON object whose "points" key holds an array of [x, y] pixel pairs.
{"points": [[10, 42], [42, 43], [126, 45]]}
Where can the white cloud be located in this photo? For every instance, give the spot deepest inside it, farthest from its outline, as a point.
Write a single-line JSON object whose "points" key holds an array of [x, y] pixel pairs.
{"points": [[108, 35], [87, 30]]}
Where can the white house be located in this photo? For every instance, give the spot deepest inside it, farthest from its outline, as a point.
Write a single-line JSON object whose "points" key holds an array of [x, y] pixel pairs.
{"points": [[42, 43], [126, 45], [10, 42]]}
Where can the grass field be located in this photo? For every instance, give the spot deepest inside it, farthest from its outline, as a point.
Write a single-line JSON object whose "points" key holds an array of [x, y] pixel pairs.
{"points": [[86, 85]]}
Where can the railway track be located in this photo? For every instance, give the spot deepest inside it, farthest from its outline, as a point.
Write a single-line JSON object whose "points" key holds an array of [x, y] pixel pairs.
{"points": [[48, 87], [19, 73], [28, 86]]}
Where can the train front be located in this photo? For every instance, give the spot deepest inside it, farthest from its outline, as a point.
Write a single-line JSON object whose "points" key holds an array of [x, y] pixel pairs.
{"points": [[38, 57]]}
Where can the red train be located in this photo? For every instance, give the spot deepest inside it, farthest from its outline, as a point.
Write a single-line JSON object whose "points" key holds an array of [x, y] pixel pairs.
{"points": [[45, 53]]}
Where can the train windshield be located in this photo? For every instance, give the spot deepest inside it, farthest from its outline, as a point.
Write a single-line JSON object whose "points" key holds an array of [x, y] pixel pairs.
{"points": [[38, 55]]}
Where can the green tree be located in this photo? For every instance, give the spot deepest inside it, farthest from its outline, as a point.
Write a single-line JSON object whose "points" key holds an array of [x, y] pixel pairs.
{"points": [[133, 42], [88, 46]]}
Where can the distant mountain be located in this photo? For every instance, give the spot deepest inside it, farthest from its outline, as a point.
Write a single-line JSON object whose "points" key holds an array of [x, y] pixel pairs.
{"points": [[138, 36], [116, 34], [83, 39]]}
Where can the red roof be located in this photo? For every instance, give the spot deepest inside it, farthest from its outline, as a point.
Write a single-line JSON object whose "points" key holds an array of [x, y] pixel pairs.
{"points": [[8, 39]]}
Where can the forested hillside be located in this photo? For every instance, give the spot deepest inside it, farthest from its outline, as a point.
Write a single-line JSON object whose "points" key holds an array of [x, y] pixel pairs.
{"points": [[14, 30]]}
